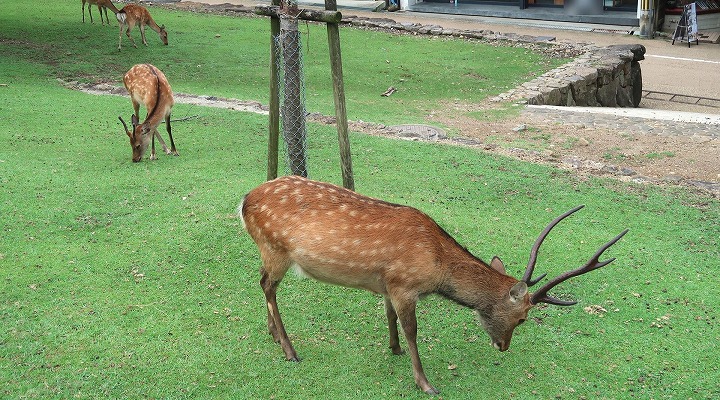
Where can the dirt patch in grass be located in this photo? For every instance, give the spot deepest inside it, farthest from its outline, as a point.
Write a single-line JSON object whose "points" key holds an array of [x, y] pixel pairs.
{"points": [[644, 150], [640, 150]]}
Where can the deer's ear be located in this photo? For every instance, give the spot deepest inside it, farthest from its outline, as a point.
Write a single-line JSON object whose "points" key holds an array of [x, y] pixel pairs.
{"points": [[498, 265], [518, 291], [135, 120]]}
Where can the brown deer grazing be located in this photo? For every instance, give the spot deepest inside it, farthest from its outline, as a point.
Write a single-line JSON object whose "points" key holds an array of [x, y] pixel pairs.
{"points": [[133, 14], [101, 5], [148, 85], [337, 236]]}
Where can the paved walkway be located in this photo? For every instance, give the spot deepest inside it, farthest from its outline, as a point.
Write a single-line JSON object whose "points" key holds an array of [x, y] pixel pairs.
{"points": [[641, 120]]}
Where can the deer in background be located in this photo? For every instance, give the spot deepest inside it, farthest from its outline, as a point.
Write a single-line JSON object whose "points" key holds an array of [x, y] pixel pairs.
{"points": [[133, 14], [340, 237], [148, 85], [101, 5]]}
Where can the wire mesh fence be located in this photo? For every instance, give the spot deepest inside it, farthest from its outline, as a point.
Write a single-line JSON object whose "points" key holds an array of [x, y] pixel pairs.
{"points": [[291, 84]]}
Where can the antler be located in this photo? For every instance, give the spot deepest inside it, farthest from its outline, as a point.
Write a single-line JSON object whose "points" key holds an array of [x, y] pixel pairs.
{"points": [[541, 295], [124, 124], [527, 278]]}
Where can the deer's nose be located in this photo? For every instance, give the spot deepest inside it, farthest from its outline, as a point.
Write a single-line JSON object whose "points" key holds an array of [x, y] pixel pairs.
{"points": [[502, 346]]}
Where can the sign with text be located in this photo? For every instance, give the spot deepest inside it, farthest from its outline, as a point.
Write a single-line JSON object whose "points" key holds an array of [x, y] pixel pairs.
{"points": [[687, 25]]}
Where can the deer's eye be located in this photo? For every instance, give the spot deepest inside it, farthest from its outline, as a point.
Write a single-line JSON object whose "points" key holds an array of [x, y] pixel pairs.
{"points": [[522, 321]]}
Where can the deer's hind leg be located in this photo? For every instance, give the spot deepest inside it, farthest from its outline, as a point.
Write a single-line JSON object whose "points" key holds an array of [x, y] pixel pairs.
{"points": [[156, 134], [127, 33], [392, 319], [142, 34], [120, 39], [128, 27], [271, 274]]}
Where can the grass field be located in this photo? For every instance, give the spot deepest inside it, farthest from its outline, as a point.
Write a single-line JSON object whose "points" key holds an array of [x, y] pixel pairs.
{"points": [[134, 280]]}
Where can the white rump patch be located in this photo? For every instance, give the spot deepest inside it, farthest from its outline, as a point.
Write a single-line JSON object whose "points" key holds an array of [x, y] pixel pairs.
{"points": [[240, 214]]}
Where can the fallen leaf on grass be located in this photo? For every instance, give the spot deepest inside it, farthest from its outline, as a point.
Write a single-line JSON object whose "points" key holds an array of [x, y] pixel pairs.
{"points": [[388, 92], [595, 310]]}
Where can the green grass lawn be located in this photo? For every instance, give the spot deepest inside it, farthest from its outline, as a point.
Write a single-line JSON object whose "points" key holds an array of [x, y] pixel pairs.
{"points": [[229, 57], [125, 280]]}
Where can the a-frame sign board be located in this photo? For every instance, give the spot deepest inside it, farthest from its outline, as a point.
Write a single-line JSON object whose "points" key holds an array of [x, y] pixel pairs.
{"points": [[687, 25]]}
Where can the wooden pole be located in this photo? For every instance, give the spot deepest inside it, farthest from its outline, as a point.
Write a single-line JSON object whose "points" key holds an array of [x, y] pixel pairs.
{"points": [[274, 117], [333, 32], [307, 15], [332, 18]]}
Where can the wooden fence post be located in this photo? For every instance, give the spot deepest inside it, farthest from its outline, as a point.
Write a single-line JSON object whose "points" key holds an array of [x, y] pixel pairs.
{"points": [[279, 24], [274, 115], [333, 32]]}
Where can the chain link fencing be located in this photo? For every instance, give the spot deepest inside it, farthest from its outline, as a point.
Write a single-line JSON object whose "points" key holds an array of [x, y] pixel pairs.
{"points": [[291, 92]]}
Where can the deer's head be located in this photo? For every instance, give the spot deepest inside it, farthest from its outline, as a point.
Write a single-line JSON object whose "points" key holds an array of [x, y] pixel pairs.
{"points": [[163, 35], [140, 137], [501, 310], [512, 310]]}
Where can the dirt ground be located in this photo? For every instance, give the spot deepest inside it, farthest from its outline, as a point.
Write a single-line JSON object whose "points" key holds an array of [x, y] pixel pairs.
{"points": [[601, 147]]}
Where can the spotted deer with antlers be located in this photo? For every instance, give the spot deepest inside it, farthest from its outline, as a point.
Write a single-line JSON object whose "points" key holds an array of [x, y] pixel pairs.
{"points": [[147, 85], [133, 14], [340, 237]]}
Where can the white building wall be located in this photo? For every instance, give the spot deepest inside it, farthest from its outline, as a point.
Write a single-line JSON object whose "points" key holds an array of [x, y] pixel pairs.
{"points": [[404, 4]]}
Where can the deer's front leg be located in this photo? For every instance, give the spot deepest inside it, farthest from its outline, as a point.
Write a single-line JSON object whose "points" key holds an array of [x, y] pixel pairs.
{"points": [[106, 17], [152, 149], [135, 104], [405, 309]]}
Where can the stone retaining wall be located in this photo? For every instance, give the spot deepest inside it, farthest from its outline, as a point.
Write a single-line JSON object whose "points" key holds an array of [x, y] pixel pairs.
{"points": [[605, 77]]}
